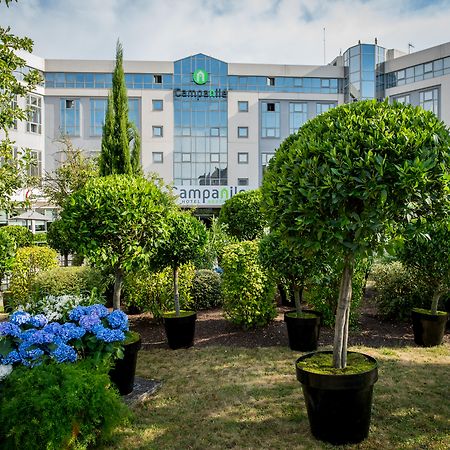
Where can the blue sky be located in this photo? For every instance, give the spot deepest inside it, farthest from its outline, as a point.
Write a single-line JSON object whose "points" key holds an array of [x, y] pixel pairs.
{"points": [[259, 31]]}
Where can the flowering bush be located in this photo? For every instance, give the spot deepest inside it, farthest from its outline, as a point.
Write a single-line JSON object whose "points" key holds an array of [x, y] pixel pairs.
{"points": [[91, 332]]}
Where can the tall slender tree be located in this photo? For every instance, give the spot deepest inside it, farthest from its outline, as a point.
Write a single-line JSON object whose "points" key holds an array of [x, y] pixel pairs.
{"points": [[120, 152]]}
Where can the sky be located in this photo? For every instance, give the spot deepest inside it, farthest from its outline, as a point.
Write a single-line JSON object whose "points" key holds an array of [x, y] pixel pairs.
{"points": [[250, 31]]}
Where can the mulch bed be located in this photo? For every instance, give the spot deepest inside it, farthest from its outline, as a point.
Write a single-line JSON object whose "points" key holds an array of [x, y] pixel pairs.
{"points": [[213, 329]]}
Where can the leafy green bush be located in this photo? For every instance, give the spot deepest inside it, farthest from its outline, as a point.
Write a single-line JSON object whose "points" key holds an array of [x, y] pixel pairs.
{"points": [[242, 214], [29, 261], [22, 236], [58, 406], [323, 291], [206, 289], [248, 292], [67, 280], [153, 291], [398, 289], [7, 250], [40, 238]]}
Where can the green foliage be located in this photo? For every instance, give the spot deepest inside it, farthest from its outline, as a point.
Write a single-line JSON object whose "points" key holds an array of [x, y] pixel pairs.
{"points": [[58, 406], [206, 289], [13, 172], [71, 175], [40, 238], [398, 289], [7, 251], [247, 289], [57, 237], [242, 215], [22, 236], [428, 252], [322, 291], [29, 261], [351, 176], [153, 291], [118, 131], [68, 280]]}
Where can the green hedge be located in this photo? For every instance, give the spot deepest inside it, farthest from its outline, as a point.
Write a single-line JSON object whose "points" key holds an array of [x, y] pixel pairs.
{"points": [[206, 289], [247, 289], [152, 292], [22, 236]]}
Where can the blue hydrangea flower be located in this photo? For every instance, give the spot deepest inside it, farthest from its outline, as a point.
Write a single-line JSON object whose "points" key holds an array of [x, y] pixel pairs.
{"points": [[53, 327], [39, 337], [11, 358], [77, 313], [20, 317], [99, 310], [64, 353], [70, 331], [118, 320], [39, 321], [89, 322], [107, 335], [31, 358], [9, 329]]}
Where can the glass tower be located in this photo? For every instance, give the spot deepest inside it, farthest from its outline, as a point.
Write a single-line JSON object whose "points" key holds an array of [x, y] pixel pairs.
{"points": [[201, 122]]}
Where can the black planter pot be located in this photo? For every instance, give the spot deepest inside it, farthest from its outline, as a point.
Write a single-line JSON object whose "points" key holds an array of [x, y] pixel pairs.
{"points": [[428, 329], [303, 333], [122, 374], [339, 406], [180, 330]]}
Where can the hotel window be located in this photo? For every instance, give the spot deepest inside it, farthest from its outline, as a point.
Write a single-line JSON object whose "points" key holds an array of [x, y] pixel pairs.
{"points": [[157, 79], [243, 158], [97, 115], [157, 105], [270, 81], [298, 114], [324, 107], [34, 122], [242, 181], [157, 131], [14, 106], [243, 106], [403, 99], [157, 157], [270, 120], [429, 100], [214, 157], [265, 158], [70, 116], [133, 112], [35, 168], [242, 132], [215, 131]]}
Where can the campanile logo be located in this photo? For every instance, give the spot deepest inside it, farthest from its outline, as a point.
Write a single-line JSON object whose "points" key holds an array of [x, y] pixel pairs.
{"points": [[200, 76]]}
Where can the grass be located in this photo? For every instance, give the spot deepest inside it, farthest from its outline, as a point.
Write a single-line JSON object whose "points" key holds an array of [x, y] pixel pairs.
{"points": [[223, 398]]}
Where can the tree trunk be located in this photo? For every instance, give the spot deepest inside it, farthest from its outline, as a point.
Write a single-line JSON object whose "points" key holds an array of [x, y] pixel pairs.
{"points": [[343, 314], [175, 291], [298, 297], [66, 259], [436, 297], [117, 288]]}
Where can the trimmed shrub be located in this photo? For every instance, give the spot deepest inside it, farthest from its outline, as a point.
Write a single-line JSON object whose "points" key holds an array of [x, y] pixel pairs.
{"points": [[22, 236], [247, 289], [398, 289], [29, 261], [68, 280], [153, 291], [206, 289], [58, 406]]}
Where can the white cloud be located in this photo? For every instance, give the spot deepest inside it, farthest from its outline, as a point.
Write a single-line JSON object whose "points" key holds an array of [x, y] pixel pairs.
{"points": [[265, 31]]}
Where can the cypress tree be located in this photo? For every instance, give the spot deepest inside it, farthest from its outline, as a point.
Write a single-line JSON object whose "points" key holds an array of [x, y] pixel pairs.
{"points": [[118, 132]]}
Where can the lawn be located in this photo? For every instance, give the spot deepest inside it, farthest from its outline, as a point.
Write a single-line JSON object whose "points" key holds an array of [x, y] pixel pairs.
{"points": [[230, 397]]}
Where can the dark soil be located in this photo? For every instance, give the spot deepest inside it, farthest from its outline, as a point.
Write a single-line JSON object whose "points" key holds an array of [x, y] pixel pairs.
{"points": [[213, 329]]}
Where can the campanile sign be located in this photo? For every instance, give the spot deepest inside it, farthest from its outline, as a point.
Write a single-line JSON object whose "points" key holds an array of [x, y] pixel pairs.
{"points": [[206, 196]]}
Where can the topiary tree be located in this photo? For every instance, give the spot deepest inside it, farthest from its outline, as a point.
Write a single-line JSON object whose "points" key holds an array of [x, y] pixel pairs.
{"points": [[118, 222], [59, 240], [242, 215], [349, 178], [7, 250], [428, 253], [185, 242]]}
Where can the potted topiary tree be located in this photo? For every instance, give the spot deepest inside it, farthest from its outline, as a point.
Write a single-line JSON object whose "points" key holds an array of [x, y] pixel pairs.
{"points": [[185, 242], [428, 253], [345, 182], [303, 325]]}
